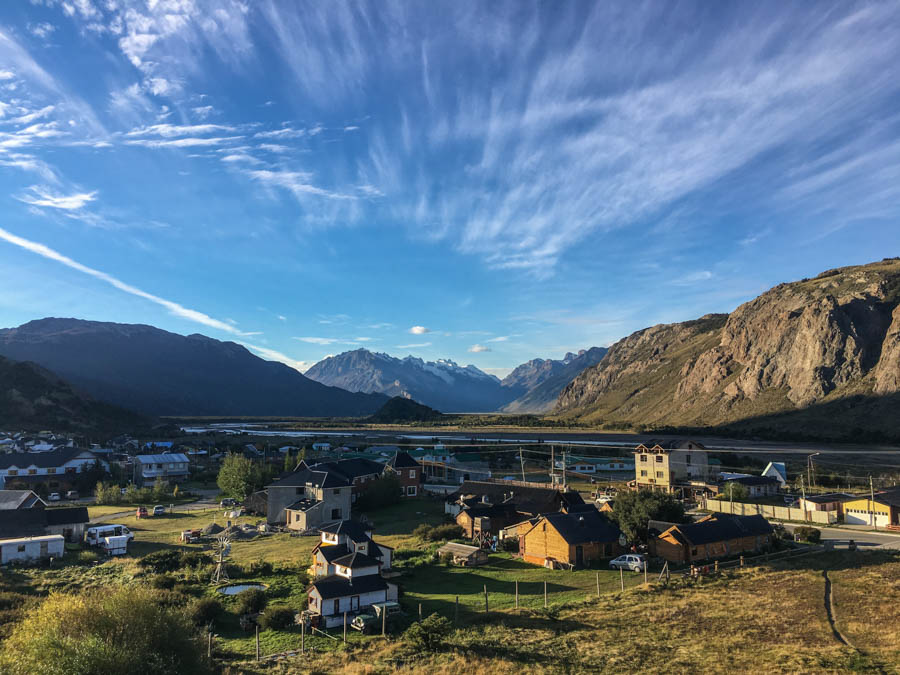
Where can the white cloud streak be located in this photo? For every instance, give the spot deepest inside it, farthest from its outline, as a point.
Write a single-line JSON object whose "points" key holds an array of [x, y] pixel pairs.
{"points": [[173, 307], [419, 330], [41, 195]]}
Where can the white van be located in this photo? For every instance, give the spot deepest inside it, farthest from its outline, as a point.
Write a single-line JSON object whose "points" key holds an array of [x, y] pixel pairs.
{"points": [[94, 536]]}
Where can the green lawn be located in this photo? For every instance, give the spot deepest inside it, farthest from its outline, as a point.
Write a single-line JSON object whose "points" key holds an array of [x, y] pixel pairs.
{"points": [[436, 586]]}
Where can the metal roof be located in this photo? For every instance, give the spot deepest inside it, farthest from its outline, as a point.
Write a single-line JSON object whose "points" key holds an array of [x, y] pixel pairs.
{"points": [[171, 458]]}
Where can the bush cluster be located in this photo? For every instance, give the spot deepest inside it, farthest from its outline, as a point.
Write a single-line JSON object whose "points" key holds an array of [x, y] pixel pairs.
{"points": [[276, 618], [204, 611], [170, 560], [438, 532], [808, 534], [251, 601], [428, 634]]}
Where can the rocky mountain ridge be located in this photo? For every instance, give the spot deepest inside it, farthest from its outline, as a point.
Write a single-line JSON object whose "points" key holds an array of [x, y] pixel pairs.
{"points": [[798, 348]]}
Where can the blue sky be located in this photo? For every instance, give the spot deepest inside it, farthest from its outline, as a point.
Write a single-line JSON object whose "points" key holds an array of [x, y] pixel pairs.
{"points": [[487, 182]]}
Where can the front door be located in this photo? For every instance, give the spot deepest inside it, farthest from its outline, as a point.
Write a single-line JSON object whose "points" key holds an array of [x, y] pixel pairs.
{"points": [[579, 556], [354, 603]]}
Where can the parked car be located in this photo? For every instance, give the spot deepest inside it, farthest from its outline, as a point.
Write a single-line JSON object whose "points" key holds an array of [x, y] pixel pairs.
{"points": [[54, 497], [370, 621], [789, 501], [159, 510], [228, 501], [631, 561], [72, 494], [141, 512]]}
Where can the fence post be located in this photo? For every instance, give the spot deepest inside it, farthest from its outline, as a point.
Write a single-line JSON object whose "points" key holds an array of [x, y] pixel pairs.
{"points": [[209, 644], [742, 561], [485, 599], [598, 584], [621, 579], [345, 625], [517, 594], [545, 595], [645, 571], [716, 564], [383, 621], [303, 636], [420, 612], [257, 642]]}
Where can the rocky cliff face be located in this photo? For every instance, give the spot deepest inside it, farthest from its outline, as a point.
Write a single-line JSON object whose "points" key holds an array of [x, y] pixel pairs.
{"points": [[537, 383], [794, 348]]}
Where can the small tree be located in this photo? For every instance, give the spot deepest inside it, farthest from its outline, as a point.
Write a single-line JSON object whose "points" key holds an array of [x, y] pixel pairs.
{"points": [[734, 491], [276, 618], [428, 634], [251, 601], [381, 492], [633, 510], [235, 477]]}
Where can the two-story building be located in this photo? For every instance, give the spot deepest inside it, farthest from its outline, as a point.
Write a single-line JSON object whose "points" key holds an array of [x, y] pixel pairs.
{"points": [[882, 511], [348, 564], [409, 471], [55, 471], [358, 472], [309, 498], [671, 466], [171, 468]]}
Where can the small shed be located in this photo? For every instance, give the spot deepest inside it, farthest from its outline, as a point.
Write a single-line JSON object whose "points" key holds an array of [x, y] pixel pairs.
{"points": [[462, 554], [31, 548]]}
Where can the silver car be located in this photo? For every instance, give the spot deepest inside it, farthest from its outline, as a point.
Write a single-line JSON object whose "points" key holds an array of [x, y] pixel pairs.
{"points": [[630, 561]]}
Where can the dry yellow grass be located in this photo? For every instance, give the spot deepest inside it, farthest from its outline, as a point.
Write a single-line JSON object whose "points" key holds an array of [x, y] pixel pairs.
{"points": [[761, 620]]}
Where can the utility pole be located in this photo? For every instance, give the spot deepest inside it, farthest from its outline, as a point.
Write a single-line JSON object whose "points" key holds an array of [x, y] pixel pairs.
{"points": [[872, 502], [564, 470], [553, 465], [809, 469], [803, 497], [522, 460]]}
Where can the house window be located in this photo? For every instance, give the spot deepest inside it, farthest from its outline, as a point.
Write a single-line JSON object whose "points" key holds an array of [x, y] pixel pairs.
{"points": [[336, 491], [412, 473], [12, 472], [659, 474], [643, 458], [21, 548], [51, 470], [411, 491], [335, 514], [643, 472], [659, 459], [687, 460], [31, 472]]}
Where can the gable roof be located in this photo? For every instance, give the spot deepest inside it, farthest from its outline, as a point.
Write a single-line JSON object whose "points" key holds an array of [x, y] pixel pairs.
{"points": [[776, 467], [402, 460], [583, 527], [752, 480], [19, 499], [332, 553], [335, 586], [42, 460], [356, 531], [304, 475], [531, 499], [350, 468], [890, 496], [721, 527], [22, 523]]}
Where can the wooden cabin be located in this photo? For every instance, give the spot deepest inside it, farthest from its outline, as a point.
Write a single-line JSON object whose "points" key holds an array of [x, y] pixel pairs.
{"points": [[461, 554], [717, 536], [570, 540]]}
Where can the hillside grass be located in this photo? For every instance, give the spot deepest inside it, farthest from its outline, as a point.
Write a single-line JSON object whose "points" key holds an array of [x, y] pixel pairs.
{"points": [[766, 620]]}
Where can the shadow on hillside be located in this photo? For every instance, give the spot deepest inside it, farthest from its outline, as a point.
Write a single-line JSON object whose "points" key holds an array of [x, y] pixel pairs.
{"points": [[838, 560], [860, 419]]}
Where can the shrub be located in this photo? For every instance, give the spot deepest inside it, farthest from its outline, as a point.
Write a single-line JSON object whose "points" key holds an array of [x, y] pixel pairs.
{"points": [[510, 544], [808, 534], [166, 560], [114, 630], [446, 559], [446, 531], [194, 559], [259, 568], [204, 611], [251, 601], [383, 491], [428, 634], [277, 618], [162, 581], [88, 556], [422, 531]]}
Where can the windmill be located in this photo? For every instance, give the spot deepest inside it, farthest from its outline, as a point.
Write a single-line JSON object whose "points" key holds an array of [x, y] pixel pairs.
{"points": [[222, 549]]}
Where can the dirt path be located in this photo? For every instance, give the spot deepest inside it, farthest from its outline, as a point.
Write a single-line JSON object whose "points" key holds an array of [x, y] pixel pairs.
{"points": [[829, 610]]}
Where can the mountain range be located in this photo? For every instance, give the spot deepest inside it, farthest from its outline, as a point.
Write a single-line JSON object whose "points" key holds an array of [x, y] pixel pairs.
{"points": [[814, 358], [449, 387], [32, 398], [155, 372]]}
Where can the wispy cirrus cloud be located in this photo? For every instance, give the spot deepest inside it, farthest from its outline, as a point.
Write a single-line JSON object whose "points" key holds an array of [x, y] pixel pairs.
{"points": [[41, 195], [172, 307], [415, 345]]}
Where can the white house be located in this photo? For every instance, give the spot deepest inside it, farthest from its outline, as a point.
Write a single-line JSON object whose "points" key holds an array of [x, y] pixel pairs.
{"points": [[348, 565], [31, 548], [778, 471], [53, 468], [321, 447]]}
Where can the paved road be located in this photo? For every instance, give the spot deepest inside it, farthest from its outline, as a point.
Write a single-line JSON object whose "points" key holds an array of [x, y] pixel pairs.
{"points": [[864, 540]]}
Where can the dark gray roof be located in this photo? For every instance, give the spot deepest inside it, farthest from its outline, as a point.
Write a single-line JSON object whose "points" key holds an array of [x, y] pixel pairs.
{"points": [[67, 515], [527, 498], [357, 532], [350, 468], [357, 560], [584, 527], [301, 504], [403, 460], [319, 478], [890, 496], [829, 497], [724, 527], [335, 586], [22, 523], [41, 460], [18, 499], [331, 553]]}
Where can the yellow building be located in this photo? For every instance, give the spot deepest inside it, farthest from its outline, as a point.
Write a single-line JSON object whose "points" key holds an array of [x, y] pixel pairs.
{"points": [[674, 466], [882, 511]]}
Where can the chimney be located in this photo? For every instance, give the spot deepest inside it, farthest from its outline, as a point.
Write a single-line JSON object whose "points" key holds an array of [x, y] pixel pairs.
{"points": [[581, 520]]}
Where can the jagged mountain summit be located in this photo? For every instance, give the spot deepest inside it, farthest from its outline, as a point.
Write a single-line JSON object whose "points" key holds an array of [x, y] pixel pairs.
{"points": [[538, 382], [817, 357], [440, 384], [156, 372]]}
